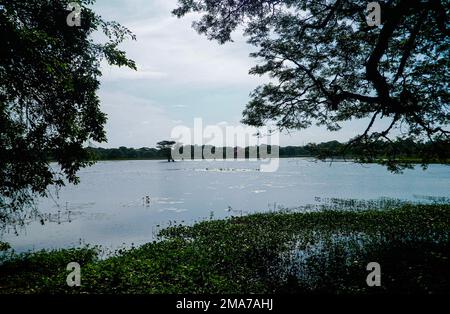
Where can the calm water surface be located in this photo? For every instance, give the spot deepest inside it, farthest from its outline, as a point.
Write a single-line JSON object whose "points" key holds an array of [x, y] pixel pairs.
{"points": [[108, 207]]}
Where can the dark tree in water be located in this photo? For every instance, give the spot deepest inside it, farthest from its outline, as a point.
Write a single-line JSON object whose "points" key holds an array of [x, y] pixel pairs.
{"points": [[49, 75], [329, 66], [166, 147]]}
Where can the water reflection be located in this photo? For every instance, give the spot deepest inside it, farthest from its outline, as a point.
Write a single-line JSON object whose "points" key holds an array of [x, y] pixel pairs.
{"points": [[119, 203]]}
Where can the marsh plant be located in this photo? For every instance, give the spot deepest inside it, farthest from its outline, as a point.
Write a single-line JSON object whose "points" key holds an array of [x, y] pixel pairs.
{"points": [[318, 251]]}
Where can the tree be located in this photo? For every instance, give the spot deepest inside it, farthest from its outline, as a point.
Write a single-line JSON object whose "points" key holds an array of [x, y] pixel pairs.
{"points": [[49, 76], [329, 66], [166, 148]]}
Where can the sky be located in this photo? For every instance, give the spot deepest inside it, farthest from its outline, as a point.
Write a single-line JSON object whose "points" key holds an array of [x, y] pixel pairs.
{"points": [[181, 76]]}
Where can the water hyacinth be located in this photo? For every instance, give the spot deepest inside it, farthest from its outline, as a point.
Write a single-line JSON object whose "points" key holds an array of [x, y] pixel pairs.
{"points": [[325, 250]]}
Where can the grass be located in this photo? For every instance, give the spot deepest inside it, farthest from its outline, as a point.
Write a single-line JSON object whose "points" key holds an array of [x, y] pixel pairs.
{"points": [[278, 252]]}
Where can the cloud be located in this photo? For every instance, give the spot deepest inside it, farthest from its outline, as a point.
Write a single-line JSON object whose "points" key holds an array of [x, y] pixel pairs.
{"points": [[133, 121], [111, 73], [169, 50]]}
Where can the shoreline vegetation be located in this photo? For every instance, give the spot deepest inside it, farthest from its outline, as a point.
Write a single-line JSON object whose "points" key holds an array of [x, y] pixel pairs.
{"points": [[402, 151], [323, 250]]}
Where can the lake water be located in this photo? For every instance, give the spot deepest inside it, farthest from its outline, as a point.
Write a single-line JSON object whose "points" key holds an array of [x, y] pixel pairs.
{"points": [[109, 207]]}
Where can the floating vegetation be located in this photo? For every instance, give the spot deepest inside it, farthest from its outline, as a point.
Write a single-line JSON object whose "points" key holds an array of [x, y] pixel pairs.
{"points": [[173, 209], [259, 191], [228, 169], [323, 251]]}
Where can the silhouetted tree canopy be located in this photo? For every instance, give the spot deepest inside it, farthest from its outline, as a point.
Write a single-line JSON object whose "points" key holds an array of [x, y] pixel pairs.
{"points": [[329, 66], [166, 148], [49, 76]]}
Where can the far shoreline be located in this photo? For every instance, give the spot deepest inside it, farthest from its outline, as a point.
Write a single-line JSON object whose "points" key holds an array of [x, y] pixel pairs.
{"points": [[415, 161]]}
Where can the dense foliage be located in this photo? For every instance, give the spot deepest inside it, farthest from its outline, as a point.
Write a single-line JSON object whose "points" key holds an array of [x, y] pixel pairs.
{"points": [[126, 153], [313, 252], [328, 66], [49, 76]]}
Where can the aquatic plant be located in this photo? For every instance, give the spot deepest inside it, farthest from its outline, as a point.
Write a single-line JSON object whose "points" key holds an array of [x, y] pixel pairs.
{"points": [[323, 251]]}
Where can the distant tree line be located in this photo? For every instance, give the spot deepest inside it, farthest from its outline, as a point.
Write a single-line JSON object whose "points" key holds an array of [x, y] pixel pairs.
{"points": [[406, 150], [126, 153]]}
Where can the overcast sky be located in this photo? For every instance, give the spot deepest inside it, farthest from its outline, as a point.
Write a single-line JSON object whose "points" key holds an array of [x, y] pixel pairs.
{"points": [[181, 76]]}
